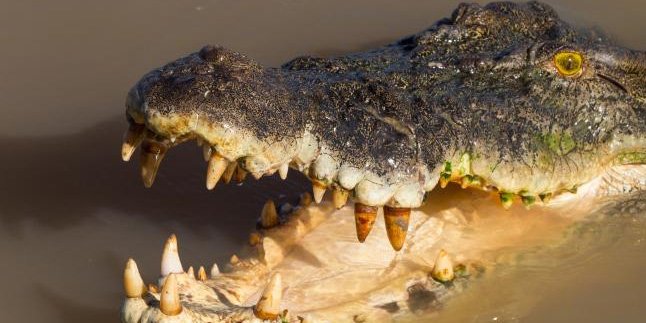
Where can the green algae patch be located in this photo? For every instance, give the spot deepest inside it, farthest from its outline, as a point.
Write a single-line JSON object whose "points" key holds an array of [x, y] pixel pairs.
{"points": [[559, 143], [631, 158]]}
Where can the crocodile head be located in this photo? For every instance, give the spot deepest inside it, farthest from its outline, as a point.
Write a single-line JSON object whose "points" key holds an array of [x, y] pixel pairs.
{"points": [[505, 98]]}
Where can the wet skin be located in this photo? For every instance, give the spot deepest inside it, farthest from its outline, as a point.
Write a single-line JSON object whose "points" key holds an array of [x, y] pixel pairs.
{"points": [[505, 97], [480, 91]]}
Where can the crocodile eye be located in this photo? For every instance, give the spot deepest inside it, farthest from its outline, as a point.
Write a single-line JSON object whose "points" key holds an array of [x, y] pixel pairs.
{"points": [[569, 63]]}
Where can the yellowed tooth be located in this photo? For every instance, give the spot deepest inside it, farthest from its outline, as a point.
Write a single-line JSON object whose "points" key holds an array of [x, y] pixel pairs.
{"points": [[207, 151], [170, 258], [443, 182], [169, 303], [131, 140], [190, 272], [443, 268], [319, 190], [282, 171], [254, 238], [340, 197], [240, 174], [396, 225], [465, 182], [364, 217], [257, 176], [133, 284], [152, 288], [229, 171], [234, 260], [214, 270], [201, 274], [268, 307], [269, 216], [152, 153], [217, 166], [305, 199], [506, 199], [199, 141]]}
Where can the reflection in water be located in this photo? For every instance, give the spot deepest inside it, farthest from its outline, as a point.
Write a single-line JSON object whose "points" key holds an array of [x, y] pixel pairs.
{"points": [[71, 212], [590, 272]]}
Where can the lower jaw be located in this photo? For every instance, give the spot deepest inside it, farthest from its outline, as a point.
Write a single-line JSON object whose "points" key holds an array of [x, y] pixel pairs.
{"points": [[327, 275]]}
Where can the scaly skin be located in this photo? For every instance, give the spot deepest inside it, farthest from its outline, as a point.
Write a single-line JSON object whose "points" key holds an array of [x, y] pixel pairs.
{"points": [[476, 99]]}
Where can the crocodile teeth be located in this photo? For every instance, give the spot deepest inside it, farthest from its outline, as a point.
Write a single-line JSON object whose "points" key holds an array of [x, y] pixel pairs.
{"points": [[268, 216], [339, 197], [240, 174], [506, 199], [319, 190], [229, 171], [131, 140], [217, 166], [133, 284], [268, 307], [215, 270], [152, 153], [364, 217], [201, 274], [170, 258], [152, 288], [396, 225], [169, 302], [207, 151], [282, 171], [443, 268], [190, 272], [443, 182]]}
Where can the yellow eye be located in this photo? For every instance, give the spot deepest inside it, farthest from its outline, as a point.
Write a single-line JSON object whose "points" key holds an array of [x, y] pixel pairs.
{"points": [[568, 63]]}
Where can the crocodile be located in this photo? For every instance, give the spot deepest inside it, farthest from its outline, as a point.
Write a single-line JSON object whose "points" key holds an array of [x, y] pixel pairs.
{"points": [[523, 111]]}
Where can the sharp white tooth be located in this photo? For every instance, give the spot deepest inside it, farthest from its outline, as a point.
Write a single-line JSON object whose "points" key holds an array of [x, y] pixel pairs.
{"points": [[319, 190], [191, 272], [206, 152], [199, 141], [131, 140], [170, 258], [217, 166], [215, 270], [201, 274], [269, 216], [443, 269], [282, 171], [169, 303], [268, 307], [133, 284]]}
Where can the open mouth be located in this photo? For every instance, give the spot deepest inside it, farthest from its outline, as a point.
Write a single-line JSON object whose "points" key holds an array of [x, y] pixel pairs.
{"points": [[315, 259], [458, 103]]}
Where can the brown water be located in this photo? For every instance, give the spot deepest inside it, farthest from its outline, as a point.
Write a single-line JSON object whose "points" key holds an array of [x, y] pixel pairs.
{"points": [[71, 212]]}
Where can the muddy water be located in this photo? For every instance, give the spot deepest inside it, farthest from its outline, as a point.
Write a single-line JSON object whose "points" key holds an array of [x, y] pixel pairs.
{"points": [[71, 212]]}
